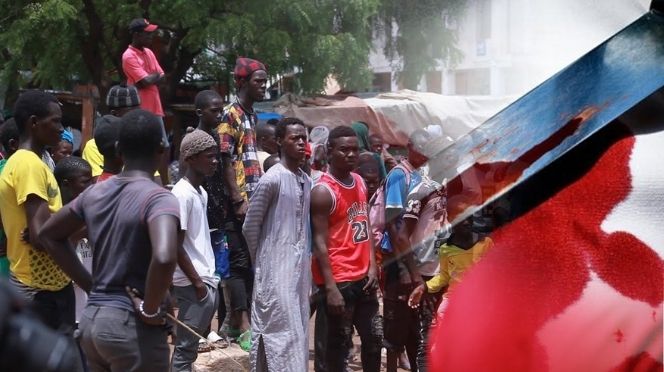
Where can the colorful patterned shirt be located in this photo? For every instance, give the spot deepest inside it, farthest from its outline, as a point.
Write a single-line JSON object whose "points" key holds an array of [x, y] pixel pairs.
{"points": [[238, 140]]}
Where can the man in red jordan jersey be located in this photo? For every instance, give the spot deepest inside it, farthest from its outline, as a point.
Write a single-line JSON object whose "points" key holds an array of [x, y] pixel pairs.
{"points": [[344, 268]]}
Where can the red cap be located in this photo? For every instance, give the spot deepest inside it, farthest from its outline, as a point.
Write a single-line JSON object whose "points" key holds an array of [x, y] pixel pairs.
{"points": [[141, 25]]}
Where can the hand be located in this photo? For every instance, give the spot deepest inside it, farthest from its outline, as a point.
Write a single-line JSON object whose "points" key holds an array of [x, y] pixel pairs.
{"points": [[133, 295], [416, 296], [335, 301], [372, 282], [201, 291], [241, 209]]}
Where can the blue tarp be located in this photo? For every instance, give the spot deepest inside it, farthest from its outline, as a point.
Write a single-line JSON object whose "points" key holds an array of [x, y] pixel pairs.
{"points": [[265, 116]]}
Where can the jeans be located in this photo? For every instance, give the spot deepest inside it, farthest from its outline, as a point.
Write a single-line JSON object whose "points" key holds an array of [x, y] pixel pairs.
{"points": [[333, 333], [115, 340], [220, 249], [240, 282], [427, 316], [195, 314]]}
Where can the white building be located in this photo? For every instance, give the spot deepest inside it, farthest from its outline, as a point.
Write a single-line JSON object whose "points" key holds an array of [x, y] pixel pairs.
{"points": [[510, 46]]}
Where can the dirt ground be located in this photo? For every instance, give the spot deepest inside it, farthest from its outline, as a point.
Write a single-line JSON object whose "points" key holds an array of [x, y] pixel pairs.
{"points": [[206, 361]]}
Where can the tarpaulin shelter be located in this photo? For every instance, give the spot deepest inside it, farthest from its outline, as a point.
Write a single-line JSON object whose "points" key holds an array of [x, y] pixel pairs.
{"points": [[395, 115]]}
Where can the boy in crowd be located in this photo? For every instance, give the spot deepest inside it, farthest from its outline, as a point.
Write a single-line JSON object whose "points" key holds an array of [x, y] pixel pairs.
{"points": [[241, 172], [271, 161], [369, 169], [277, 233], [29, 194], [133, 228], [74, 175], [194, 281], [464, 248], [105, 137], [120, 100], [209, 106], [425, 222], [378, 147], [344, 267], [64, 148], [402, 324], [9, 139], [266, 141]]}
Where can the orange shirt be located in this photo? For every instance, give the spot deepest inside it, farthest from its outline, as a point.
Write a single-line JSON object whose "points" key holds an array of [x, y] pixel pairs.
{"points": [[348, 228], [137, 64]]}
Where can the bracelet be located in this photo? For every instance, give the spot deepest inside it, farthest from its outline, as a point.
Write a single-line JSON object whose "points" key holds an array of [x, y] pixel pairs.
{"points": [[156, 314], [238, 202]]}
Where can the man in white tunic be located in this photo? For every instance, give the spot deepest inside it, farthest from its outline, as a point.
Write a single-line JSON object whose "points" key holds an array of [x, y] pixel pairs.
{"points": [[277, 232]]}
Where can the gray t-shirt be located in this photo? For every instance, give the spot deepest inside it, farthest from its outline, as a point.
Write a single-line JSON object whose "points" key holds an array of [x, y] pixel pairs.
{"points": [[426, 203], [117, 212]]}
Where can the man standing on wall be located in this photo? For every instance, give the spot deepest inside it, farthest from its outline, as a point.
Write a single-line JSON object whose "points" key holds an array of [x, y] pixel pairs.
{"points": [[142, 69]]}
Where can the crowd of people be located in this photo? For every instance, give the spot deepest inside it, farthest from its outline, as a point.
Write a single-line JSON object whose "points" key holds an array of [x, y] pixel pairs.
{"points": [[264, 224]]}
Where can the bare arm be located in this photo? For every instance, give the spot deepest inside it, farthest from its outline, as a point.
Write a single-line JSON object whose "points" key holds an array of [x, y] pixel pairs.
{"points": [[230, 182], [401, 245], [36, 213], [152, 79], [372, 275], [54, 235], [321, 206], [188, 268], [163, 235]]}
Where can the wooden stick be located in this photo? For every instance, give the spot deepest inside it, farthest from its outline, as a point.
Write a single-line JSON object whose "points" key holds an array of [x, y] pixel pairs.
{"points": [[204, 338]]}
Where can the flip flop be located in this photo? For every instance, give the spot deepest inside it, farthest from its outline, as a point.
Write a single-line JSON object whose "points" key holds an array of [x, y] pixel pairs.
{"points": [[217, 340], [204, 346]]}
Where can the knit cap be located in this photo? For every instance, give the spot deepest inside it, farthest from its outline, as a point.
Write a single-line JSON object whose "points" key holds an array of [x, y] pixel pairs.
{"points": [[195, 142], [120, 96]]}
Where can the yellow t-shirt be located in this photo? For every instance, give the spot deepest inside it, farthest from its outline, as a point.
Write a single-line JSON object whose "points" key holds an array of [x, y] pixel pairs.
{"points": [[92, 155], [25, 174], [454, 262]]}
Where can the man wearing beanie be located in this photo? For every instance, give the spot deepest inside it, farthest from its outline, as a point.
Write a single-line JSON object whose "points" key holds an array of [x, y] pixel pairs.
{"points": [[120, 100], [241, 174], [194, 281]]}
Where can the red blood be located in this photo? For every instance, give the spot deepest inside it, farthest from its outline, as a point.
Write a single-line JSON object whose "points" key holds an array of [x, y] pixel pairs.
{"points": [[643, 362], [539, 266], [494, 177]]}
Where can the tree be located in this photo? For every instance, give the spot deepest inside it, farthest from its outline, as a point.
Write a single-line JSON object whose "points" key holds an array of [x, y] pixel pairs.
{"points": [[56, 43], [418, 33]]}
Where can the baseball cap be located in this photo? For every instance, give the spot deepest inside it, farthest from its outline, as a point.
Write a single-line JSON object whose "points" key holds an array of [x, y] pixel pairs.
{"points": [[141, 24], [120, 96]]}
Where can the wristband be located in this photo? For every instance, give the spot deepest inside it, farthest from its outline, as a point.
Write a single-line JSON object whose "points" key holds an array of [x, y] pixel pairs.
{"points": [[150, 316]]}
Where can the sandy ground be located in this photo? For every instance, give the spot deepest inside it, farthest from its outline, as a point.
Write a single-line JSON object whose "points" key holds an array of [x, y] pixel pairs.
{"points": [[221, 359]]}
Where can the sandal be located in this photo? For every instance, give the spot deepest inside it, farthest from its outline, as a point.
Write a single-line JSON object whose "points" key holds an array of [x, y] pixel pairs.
{"points": [[244, 340], [204, 346], [218, 341]]}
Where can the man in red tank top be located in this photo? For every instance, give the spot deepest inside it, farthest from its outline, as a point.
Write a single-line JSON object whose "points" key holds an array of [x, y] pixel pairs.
{"points": [[343, 267]]}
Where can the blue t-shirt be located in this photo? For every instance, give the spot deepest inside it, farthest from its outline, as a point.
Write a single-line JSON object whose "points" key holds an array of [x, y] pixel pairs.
{"points": [[396, 195]]}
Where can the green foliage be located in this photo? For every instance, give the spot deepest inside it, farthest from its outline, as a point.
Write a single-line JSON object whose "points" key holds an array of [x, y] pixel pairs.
{"points": [[55, 43]]}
